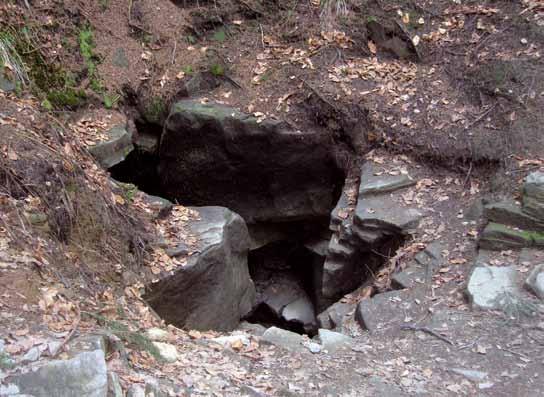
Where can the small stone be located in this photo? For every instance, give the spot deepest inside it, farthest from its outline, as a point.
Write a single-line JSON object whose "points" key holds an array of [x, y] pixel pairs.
{"points": [[334, 341], [535, 281], [167, 351], [2, 345], [283, 338], [474, 376], [313, 347], [136, 391], [31, 355], [157, 334], [120, 58], [232, 340]]}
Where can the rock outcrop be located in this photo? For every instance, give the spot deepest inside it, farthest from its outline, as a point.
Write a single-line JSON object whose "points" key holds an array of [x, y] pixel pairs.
{"points": [[262, 169], [213, 290], [512, 226], [366, 219], [114, 149]]}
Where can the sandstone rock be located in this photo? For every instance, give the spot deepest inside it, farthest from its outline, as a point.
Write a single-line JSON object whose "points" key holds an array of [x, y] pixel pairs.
{"points": [[500, 237], [84, 375], [470, 374], [253, 329], [384, 310], [210, 153], [533, 195], [334, 341], [157, 334], [535, 281], [214, 290], [491, 287], [372, 184], [115, 149], [114, 385], [334, 316], [509, 213], [421, 269], [380, 213], [232, 340], [300, 311], [167, 351], [284, 339]]}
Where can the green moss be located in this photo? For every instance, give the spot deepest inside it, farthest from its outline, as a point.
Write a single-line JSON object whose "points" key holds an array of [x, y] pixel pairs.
{"points": [[66, 98], [217, 70], [133, 339], [188, 70], [155, 110], [129, 191], [6, 362]]}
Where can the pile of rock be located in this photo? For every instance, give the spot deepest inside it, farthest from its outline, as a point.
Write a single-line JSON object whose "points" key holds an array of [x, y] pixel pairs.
{"points": [[363, 222], [512, 226]]}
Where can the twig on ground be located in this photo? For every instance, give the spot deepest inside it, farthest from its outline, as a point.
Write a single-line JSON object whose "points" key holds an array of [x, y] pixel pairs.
{"points": [[75, 325], [480, 117], [411, 327]]}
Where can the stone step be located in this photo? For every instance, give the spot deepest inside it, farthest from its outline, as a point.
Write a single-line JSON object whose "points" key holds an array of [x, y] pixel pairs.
{"points": [[511, 214], [498, 237]]}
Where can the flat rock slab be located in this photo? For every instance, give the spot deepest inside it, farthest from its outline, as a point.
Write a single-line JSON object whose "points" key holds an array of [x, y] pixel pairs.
{"points": [[334, 341], [492, 287], [379, 212], [535, 281], [509, 213], [421, 269], [380, 184], [500, 237], [113, 150], [334, 316], [285, 339], [214, 289], [84, 375], [533, 195], [385, 310], [262, 169]]}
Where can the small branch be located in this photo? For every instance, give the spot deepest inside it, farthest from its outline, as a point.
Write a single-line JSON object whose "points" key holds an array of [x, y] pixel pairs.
{"points": [[70, 334], [411, 327], [480, 117]]}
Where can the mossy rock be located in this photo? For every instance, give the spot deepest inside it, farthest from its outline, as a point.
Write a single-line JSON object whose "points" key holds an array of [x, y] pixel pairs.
{"points": [[499, 237]]}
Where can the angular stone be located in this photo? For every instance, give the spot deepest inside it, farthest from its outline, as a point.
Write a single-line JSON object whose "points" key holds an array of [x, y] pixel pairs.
{"points": [[500, 237], [214, 289], [379, 184], [334, 316], [157, 334], [115, 149], [384, 310], [533, 195], [379, 212], [420, 270], [509, 213], [262, 169], [470, 374], [147, 143], [337, 248], [6, 84], [119, 58], [340, 276], [253, 329], [535, 281], [334, 341], [114, 385], [489, 287], [232, 340], [301, 311], [284, 339], [167, 351], [84, 375]]}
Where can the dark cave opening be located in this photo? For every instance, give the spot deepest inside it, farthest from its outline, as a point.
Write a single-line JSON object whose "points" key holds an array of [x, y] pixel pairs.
{"points": [[286, 258]]}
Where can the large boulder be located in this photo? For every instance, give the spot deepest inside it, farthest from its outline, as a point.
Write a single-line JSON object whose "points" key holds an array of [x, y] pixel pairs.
{"points": [[213, 290], [262, 169]]}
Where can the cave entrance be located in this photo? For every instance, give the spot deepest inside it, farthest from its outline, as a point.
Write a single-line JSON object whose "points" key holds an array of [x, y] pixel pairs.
{"points": [[284, 187], [286, 274]]}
